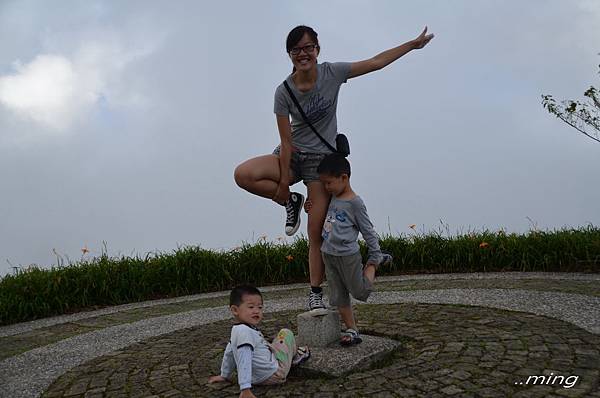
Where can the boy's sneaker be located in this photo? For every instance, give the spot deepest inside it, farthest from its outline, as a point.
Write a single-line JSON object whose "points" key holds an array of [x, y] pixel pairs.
{"points": [[386, 259], [315, 303], [302, 354], [350, 337], [292, 208]]}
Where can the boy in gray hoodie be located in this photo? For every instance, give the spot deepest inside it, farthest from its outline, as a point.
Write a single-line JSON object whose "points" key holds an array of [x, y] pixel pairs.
{"points": [[346, 217]]}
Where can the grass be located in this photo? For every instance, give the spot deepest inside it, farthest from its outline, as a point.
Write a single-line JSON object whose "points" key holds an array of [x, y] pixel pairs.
{"points": [[102, 281], [558, 251]]}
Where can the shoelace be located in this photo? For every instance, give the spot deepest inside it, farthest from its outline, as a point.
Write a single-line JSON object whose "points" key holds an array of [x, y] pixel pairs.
{"points": [[289, 208], [315, 300]]}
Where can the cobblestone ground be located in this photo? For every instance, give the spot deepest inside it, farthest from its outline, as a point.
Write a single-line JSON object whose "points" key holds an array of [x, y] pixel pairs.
{"points": [[448, 350]]}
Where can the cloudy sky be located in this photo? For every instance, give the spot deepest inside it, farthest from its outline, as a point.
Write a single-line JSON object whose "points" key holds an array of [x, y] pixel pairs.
{"points": [[121, 121]]}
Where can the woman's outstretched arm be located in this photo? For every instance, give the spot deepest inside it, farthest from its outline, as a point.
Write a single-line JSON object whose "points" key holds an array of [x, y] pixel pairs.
{"points": [[387, 57]]}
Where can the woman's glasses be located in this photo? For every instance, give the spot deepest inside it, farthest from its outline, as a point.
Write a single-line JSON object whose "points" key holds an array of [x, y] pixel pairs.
{"points": [[307, 49]]}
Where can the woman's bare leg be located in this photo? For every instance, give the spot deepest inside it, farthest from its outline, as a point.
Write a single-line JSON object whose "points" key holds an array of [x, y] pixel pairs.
{"points": [[320, 202], [259, 176]]}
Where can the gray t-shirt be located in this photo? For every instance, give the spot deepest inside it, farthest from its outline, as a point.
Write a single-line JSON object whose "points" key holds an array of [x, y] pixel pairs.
{"points": [[264, 364], [345, 219], [319, 105]]}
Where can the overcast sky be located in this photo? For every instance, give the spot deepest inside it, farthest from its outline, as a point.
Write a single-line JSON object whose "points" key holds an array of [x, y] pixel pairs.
{"points": [[122, 121]]}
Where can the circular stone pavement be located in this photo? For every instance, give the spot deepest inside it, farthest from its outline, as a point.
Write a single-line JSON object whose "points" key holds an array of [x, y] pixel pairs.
{"points": [[483, 342], [447, 350]]}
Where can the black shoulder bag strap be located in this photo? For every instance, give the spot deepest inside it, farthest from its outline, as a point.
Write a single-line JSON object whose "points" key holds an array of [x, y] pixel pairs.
{"points": [[306, 118]]}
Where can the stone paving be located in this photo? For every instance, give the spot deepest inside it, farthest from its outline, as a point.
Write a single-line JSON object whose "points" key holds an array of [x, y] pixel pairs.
{"points": [[467, 335]]}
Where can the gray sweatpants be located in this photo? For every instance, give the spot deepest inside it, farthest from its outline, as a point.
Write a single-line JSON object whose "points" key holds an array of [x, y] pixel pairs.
{"points": [[345, 277]]}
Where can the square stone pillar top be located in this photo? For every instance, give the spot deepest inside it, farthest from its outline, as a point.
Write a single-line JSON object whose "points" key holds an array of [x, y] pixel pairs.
{"points": [[318, 330]]}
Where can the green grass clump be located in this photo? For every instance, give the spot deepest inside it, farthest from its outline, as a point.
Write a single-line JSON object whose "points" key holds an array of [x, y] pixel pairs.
{"points": [[35, 293], [557, 251], [102, 281]]}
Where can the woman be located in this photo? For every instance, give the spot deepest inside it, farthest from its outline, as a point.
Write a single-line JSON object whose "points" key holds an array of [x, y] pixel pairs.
{"points": [[316, 87]]}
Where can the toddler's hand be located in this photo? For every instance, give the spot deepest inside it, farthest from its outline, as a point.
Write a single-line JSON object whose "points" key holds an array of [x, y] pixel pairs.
{"points": [[216, 379], [247, 393], [307, 205]]}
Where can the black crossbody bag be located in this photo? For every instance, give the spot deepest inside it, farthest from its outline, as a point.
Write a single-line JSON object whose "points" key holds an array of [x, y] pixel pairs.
{"points": [[341, 141]]}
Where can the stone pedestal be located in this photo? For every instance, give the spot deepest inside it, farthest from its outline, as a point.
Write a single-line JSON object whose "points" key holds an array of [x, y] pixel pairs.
{"points": [[336, 361], [318, 331]]}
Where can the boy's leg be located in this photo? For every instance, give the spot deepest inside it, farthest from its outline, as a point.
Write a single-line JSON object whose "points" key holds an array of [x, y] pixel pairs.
{"points": [[336, 268], [338, 293], [369, 272], [347, 316], [371, 269], [358, 284]]}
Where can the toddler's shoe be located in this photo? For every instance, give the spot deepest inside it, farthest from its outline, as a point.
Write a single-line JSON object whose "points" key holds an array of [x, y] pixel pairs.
{"points": [[302, 354]]}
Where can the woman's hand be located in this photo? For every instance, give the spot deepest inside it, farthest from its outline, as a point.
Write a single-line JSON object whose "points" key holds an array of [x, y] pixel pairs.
{"points": [[385, 58], [282, 194], [423, 39], [307, 205], [216, 379]]}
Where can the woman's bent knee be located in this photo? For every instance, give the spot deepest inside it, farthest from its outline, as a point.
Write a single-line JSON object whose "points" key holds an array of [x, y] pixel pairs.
{"points": [[241, 176]]}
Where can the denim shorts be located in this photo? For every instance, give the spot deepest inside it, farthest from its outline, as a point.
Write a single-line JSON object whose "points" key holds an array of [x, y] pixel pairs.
{"points": [[303, 166]]}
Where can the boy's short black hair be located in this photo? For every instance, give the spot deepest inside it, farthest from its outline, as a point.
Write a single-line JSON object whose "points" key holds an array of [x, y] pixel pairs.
{"points": [[237, 294], [335, 165]]}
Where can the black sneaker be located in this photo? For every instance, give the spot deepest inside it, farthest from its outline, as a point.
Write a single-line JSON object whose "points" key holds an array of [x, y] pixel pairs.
{"points": [[315, 303], [292, 208]]}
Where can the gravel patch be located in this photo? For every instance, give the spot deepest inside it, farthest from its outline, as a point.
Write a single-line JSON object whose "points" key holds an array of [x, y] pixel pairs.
{"points": [[11, 330], [18, 328], [582, 311]]}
